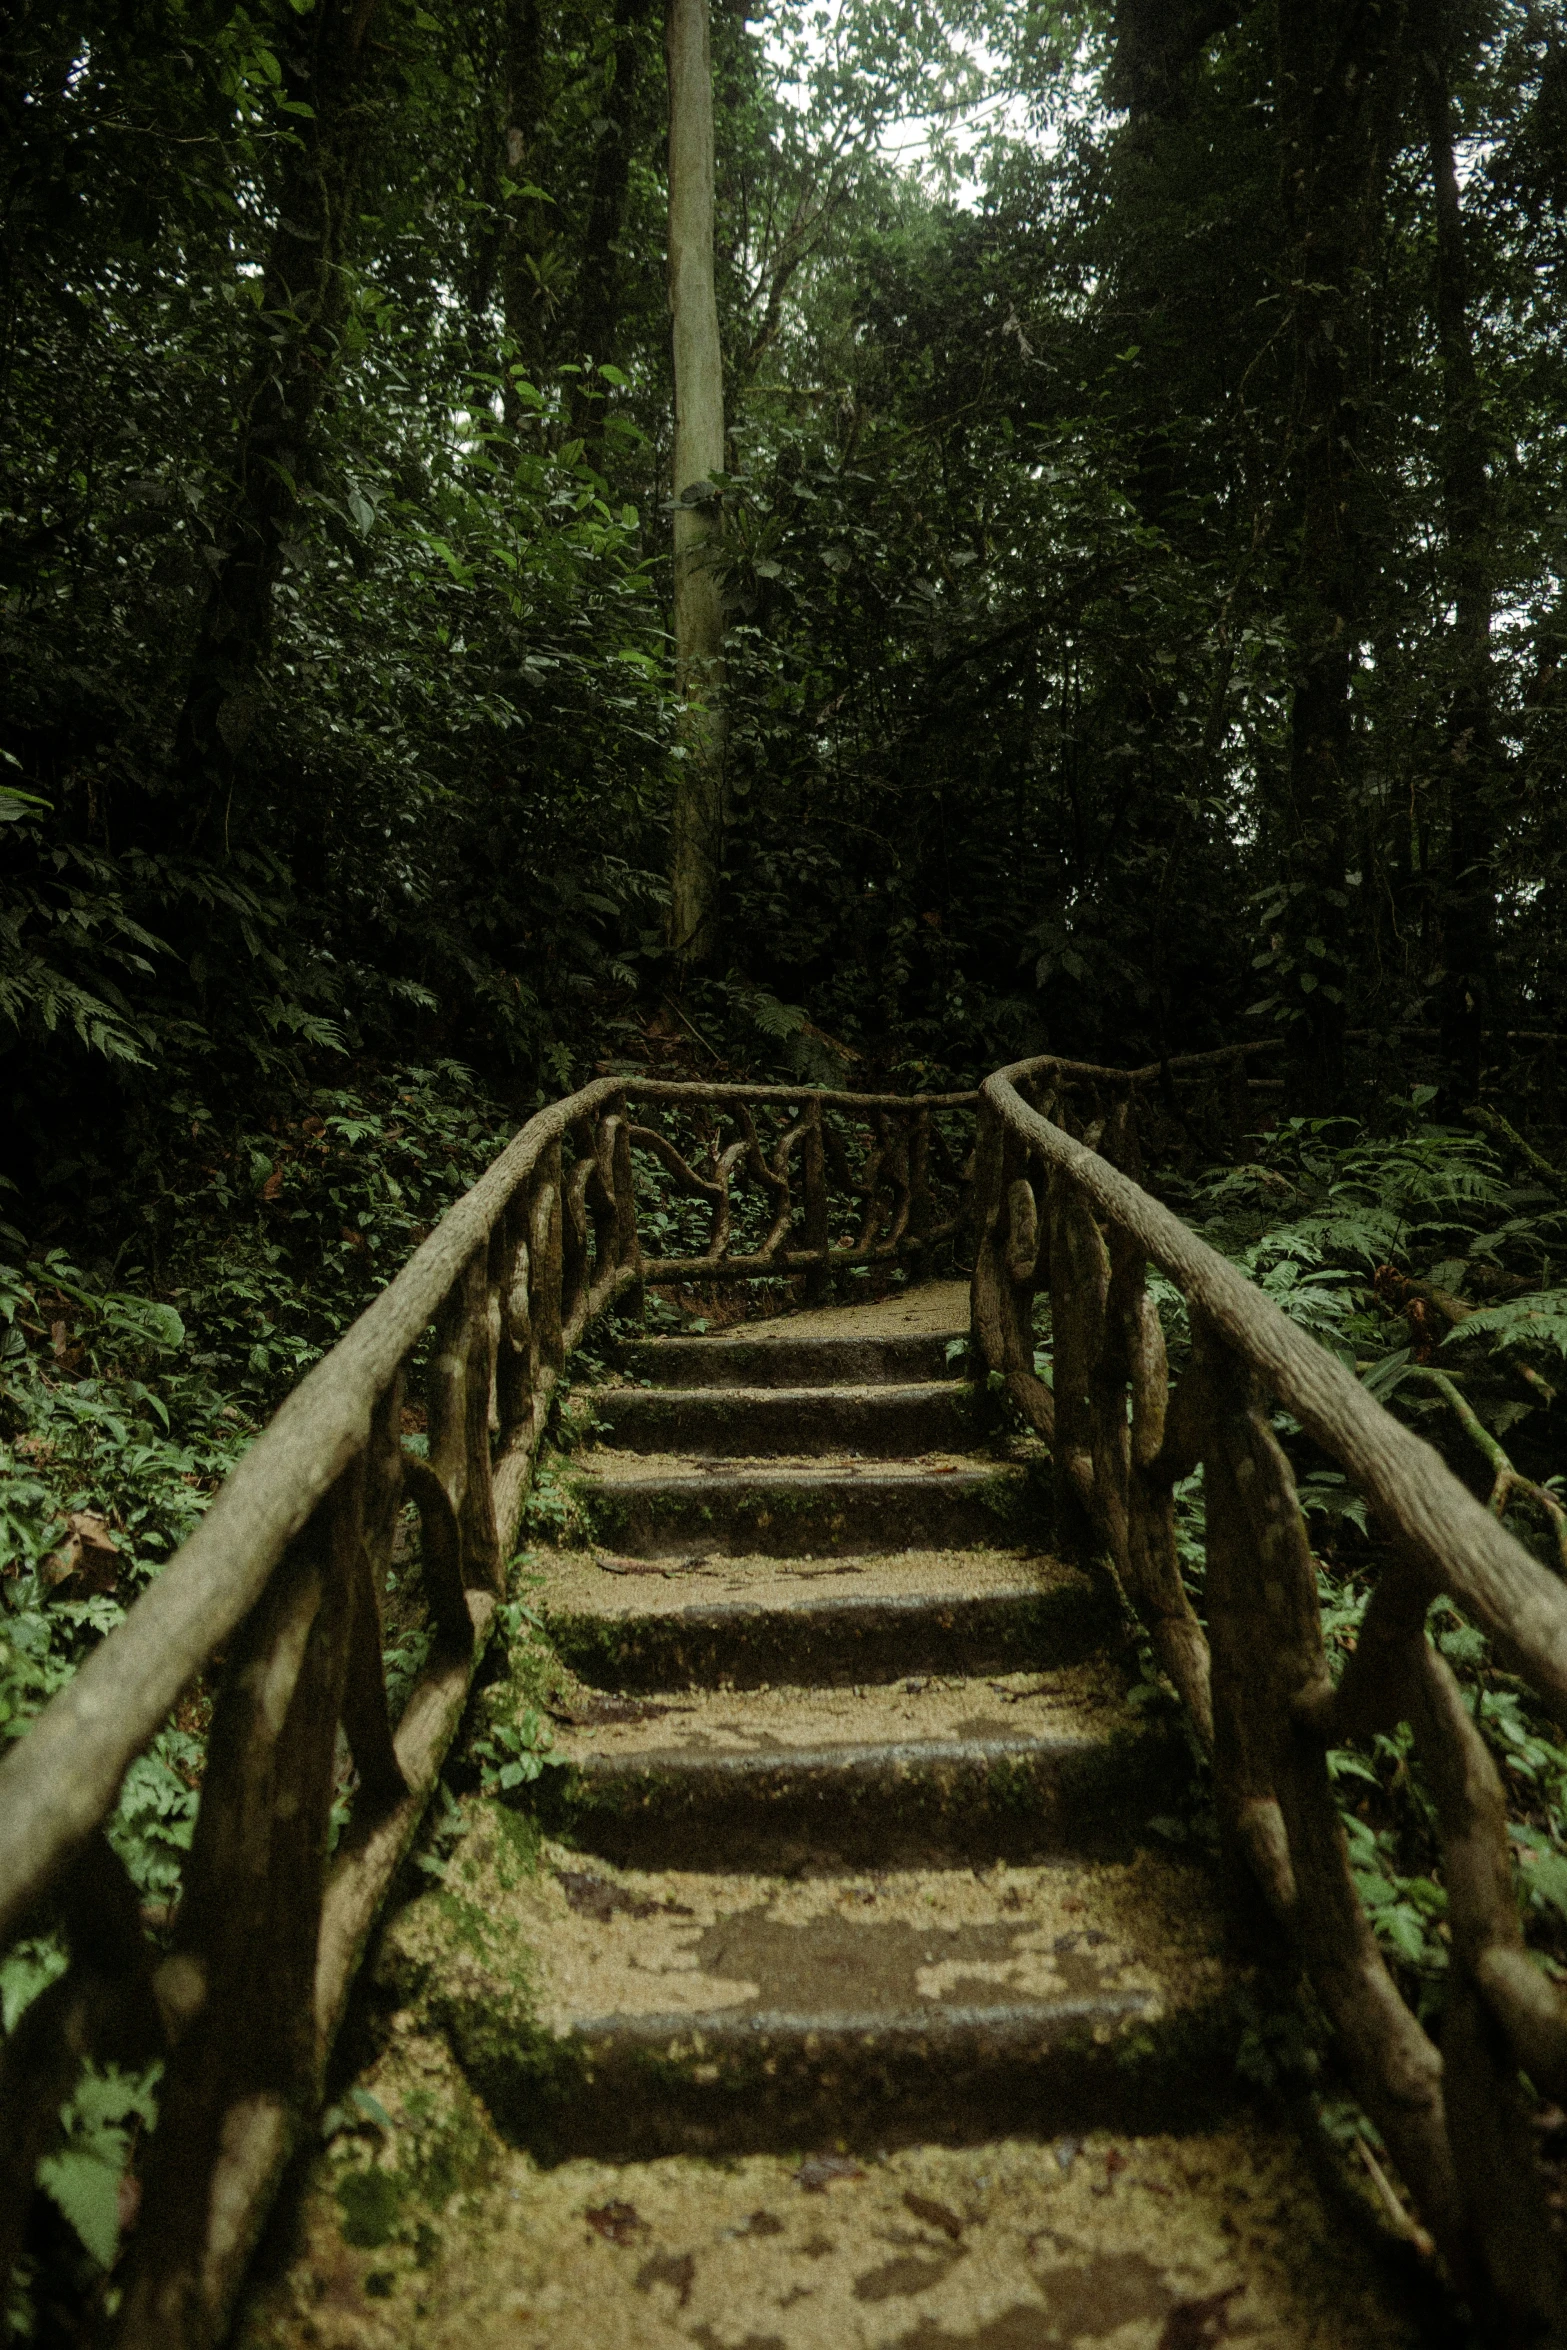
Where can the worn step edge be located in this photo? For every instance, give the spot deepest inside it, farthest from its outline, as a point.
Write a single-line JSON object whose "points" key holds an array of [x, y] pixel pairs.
{"points": [[831, 1641], [783, 1361], [888, 1421], [814, 1513], [627, 2088], [973, 1800]]}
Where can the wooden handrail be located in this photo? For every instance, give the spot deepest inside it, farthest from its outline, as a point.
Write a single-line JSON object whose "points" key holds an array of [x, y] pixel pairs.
{"points": [[1065, 1213], [284, 1579]]}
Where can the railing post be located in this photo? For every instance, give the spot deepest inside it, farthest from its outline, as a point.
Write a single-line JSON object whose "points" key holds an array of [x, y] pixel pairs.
{"points": [[546, 1222], [238, 1993], [1079, 1288], [1266, 1635], [813, 1180], [482, 1561], [922, 1207], [513, 1363]]}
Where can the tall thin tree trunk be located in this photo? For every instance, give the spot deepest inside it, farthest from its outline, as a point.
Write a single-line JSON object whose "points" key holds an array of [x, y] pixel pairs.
{"points": [[1336, 62], [304, 299], [601, 277], [1469, 909], [699, 452]]}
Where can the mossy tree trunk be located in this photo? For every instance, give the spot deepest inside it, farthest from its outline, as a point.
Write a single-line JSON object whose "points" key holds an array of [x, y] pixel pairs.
{"points": [[698, 453]]}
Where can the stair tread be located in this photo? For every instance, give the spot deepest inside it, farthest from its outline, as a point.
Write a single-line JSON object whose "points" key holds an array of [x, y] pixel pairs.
{"points": [[1078, 1703], [615, 1464], [935, 1309], [875, 1393], [607, 1950], [1126, 2240], [575, 1583]]}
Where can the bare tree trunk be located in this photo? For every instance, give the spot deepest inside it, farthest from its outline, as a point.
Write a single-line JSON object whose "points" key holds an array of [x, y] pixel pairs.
{"points": [[1469, 911], [699, 452], [304, 300]]}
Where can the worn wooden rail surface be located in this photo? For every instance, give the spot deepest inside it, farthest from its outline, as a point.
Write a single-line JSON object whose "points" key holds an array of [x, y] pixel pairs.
{"points": [[282, 1587]]}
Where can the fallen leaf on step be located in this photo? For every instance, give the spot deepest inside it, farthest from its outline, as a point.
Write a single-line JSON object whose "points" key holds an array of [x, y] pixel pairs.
{"points": [[668, 2268], [935, 2215], [617, 2223], [817, 2172], [591, 1712], [614, 1565], [1193, 2325], [1115, 2161], [596, 1897]]}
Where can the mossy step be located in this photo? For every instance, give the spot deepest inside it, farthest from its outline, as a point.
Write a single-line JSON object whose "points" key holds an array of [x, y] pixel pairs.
{"points": [[754, 1623], [882, 1422], [634, 2014], [976, 1770], [807, 1512], [814, 1359]]}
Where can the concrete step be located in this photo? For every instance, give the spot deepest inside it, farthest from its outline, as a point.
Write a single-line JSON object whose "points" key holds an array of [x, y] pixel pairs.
{"points": [[810, 1358], [641, 1625], [1106, 2241], [627, 2014], [880, 1422], [1017, 1768], [804, 1511]]}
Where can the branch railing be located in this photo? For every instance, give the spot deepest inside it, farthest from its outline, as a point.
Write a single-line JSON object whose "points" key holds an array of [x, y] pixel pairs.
{"points": [[1059, 1208], [279, 1596], [284, 1585]]}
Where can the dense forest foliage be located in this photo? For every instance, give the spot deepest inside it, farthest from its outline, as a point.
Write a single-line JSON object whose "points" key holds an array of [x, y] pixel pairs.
{"points": [[1142, 560], [1141, 575]]}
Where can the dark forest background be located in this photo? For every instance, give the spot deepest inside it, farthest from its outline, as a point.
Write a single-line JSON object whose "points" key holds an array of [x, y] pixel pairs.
{"points": [[1144, 576]]}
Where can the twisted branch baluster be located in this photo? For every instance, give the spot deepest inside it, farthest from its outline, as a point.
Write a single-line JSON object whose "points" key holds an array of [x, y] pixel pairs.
{"points": [[782, 1188], [1500, 2012], [1266, 1634]]}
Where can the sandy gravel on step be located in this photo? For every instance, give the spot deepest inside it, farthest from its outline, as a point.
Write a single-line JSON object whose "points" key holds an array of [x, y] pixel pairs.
{"points": [[1114, 2243], [933, 1309], [575, 1584], [596, 1942], [1065, 1701], [611, 1462]]}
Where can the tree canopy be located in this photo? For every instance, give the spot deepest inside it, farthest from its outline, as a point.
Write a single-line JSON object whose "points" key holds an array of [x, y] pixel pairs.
{"points": [[1141, 558]]}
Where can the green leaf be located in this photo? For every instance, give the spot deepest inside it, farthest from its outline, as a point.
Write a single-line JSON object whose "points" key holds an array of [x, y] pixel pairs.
{"points": [[86, 2186]]}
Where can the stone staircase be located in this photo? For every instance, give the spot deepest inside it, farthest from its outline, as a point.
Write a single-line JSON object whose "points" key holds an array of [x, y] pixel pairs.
{"points": [[832, 1989]]}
